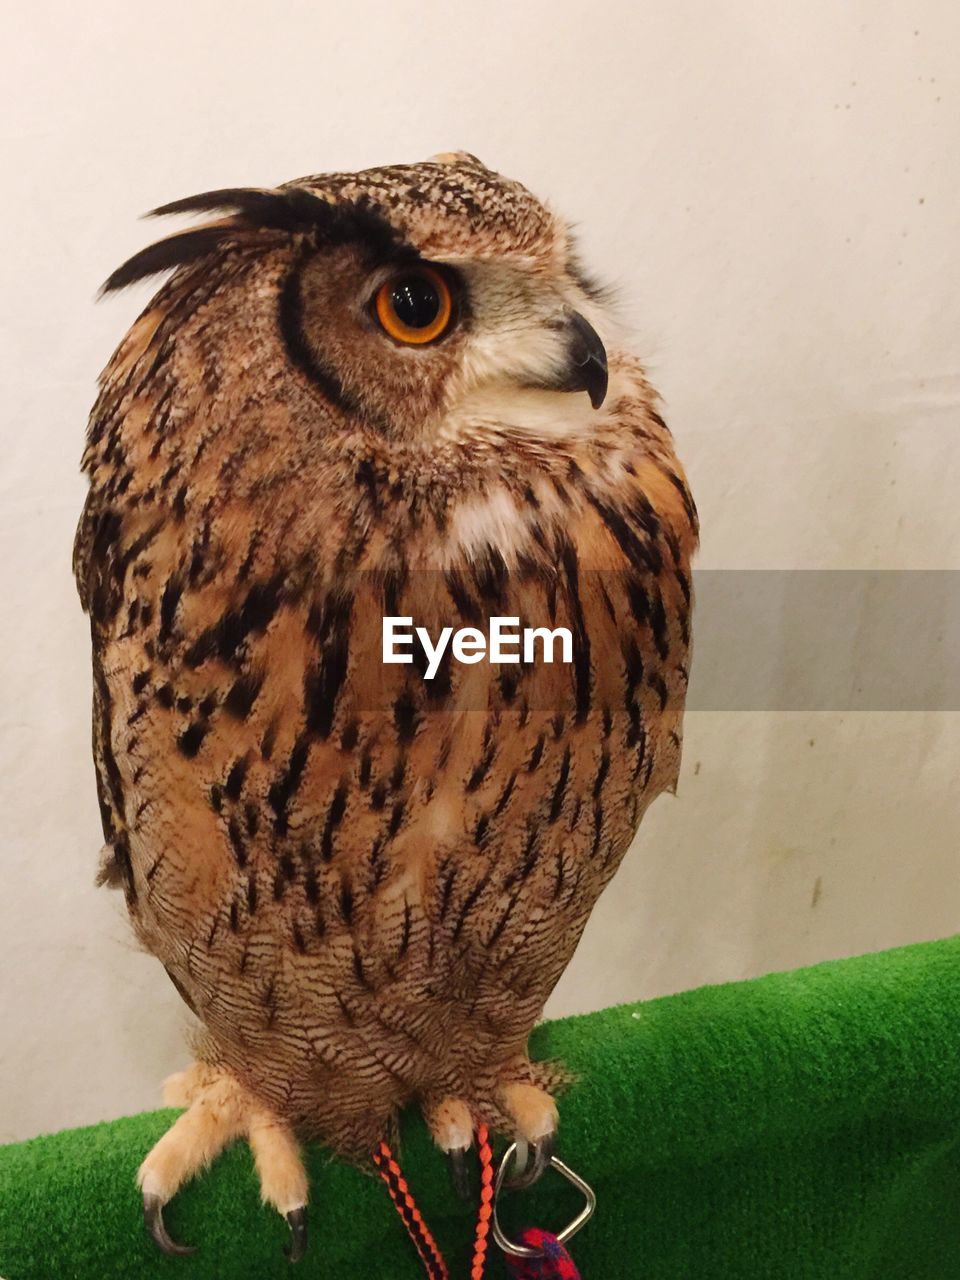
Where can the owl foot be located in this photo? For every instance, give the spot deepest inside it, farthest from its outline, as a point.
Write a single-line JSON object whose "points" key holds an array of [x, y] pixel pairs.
{"points": [[534, 1114], [451, 1124], [219, 1110]]}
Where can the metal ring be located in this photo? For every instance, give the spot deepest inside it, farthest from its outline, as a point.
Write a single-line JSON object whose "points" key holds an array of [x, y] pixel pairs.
{"points": [[583, 1217]]}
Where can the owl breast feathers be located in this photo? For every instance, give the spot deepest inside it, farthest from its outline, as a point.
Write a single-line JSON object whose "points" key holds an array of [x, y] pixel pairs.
{"points": [[389, 393]]}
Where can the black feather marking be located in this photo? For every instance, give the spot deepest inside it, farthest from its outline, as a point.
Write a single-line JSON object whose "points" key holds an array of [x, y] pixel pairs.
{"points": [[407, 924], [214, 929], [509, 683], [490, 574], [673, 542], [639, 551], [330, 624], [499, 927], [683, 623], [530, 853], [190, 741], [469, 903], [398, 773], [124, 864], [174, 251], [237, 842], [450, 874], [310, 886], [283, 876], [243, 694], [261, 205], [639, 600], [234, 784], [358, 970], [292, 210], [363, 774], [633, 666], [636, 737], [658, 625], [658, 685], [338, 807], [284, 787], [601, 773], [169, 601], [225, 637], [635, 731], [346, 902], [406, 717], [597, 826], [303, 354], [483, 766], [269, 740], [505, 795], [466, 604], [396, 818], [688, 504], [295, 209], [561, 875], [377, 863], [556, 804]]}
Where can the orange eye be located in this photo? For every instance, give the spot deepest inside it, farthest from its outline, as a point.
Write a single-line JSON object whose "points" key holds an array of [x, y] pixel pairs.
{"points": [[415, 306]]}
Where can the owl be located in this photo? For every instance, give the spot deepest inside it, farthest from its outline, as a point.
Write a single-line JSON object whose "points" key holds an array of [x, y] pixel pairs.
{"points": [[392, 394]]}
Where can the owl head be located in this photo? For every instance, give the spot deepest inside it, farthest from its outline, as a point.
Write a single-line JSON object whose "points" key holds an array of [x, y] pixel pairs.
{"points": [[407, 297]]}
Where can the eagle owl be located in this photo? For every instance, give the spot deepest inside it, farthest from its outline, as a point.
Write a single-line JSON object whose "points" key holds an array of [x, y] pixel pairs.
{"points": [[358, 396]]}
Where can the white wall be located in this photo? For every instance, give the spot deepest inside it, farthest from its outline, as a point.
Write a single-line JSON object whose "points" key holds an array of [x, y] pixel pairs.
{"points": [[774, 187]]}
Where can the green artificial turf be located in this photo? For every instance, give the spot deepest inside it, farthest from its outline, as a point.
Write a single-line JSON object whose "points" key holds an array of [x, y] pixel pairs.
{"points": [[805, 1124]]}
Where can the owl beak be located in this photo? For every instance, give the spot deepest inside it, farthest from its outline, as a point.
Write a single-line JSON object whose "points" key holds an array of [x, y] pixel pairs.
{"points": [[586, 367]]}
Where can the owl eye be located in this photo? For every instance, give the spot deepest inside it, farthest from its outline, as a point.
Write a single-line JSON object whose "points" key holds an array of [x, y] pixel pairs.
{"points": [[415, 306]]}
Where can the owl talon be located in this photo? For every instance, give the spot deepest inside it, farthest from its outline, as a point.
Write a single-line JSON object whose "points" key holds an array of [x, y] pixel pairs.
{"points": [[297, 1222], [153, 1217], [459, 1173], [536, 1164]]}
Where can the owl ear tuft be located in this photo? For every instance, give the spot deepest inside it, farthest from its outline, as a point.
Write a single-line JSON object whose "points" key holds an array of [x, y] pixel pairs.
{"points": [[293, 209], [174, 251], [289, 209]]}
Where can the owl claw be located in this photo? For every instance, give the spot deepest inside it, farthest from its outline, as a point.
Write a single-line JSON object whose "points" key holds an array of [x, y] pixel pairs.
{"points": [[459, 1173], [536, 1165], [297, 1222], [153, 1217]]}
